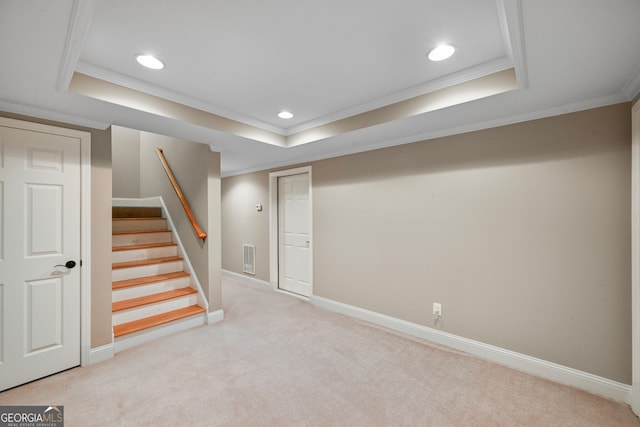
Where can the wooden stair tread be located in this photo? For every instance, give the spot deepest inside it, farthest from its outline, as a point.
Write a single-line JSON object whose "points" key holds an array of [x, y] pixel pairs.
{"points": [[119, 233], [158, 319], [142, 262], [150, 299], [145, 246], [148, 279]]}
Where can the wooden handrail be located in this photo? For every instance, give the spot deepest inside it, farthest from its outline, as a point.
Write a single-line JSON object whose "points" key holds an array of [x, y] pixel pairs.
{"points": [[187, 209]]}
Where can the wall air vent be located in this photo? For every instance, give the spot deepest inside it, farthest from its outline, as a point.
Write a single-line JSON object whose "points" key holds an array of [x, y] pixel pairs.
{"points": [[249, 259]]}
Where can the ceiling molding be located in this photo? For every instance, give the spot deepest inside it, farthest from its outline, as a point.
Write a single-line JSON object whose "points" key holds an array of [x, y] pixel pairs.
{"points": [[79, 26], [509, 14], [120, 95], [512, 27], [460, 77], [449, 95], [472, 90], [138, 85], [46, 114], [456, 130], [463, 76]]}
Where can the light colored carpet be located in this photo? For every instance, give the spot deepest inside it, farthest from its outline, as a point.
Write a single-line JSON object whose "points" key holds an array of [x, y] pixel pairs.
{"points": [[279, 361]]}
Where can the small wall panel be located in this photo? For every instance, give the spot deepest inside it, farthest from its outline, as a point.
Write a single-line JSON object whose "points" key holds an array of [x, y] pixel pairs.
{"points": [[43, 314], [289, 216], [42, 159], [290, 266], [304, 270], [44, 220]]}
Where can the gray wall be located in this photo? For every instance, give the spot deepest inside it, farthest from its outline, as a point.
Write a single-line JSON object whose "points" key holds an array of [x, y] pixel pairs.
{"points": [[522, 233], [126, 162]]}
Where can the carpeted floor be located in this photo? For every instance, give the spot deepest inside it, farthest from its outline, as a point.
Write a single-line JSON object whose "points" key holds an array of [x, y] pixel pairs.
{"points": [[279, 361]]}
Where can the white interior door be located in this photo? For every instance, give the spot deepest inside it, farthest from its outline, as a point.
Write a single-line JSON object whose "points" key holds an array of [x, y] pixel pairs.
{"points": [[39, 234], [294, 234]]}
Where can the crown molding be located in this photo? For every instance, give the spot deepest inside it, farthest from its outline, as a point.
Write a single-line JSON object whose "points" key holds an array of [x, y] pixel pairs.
{"points": [[463, 76], [79, 26], [511, 25], [46, 114], [138, 85], [510, 17], [456, 130], [123, 96]]}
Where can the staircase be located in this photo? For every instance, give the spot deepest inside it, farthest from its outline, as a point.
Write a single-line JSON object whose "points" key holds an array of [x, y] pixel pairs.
{"points": [[152, 294]]}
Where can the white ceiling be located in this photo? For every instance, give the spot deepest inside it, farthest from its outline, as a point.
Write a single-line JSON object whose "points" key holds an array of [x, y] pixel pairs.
{"points": [[323, 60]]}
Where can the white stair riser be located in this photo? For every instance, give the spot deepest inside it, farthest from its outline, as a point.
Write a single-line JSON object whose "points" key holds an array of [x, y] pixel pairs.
{"points": [[151, 288], [148, 253], [153, 309], [146, 270], [136, 338], [141, 239], [139, 224]]}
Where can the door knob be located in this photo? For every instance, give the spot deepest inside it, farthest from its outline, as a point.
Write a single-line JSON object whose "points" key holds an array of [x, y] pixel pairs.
{"points": [[68, 264]]}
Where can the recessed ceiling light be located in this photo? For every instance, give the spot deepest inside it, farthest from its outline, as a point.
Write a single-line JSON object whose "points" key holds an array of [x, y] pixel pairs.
{"points": [[285, 115], [150, 61], [441, 52]]}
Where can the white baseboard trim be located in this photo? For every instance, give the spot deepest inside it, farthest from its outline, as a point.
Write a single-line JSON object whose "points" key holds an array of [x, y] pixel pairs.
{"points": [[215, 317], [251, 281], [102, 353], [292, 294], [548, 370]]}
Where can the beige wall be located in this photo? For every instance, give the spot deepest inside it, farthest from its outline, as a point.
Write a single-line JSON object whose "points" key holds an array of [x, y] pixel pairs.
{"points": [[100, 228], [521, 232], [197, 171], [126, 162]]}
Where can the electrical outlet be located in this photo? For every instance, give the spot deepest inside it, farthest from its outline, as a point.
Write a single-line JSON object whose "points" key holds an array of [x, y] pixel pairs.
{"points": [[437, 309]]}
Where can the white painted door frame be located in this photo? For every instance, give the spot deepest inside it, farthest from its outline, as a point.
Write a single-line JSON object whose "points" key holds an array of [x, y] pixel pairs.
{"points": [[273, 221], [85, 223], [635, 257]]}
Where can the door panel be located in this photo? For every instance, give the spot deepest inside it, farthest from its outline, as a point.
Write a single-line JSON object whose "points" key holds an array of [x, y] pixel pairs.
{"points": [[44, 232], [294, 234], [39, 233], [43, 315]]}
